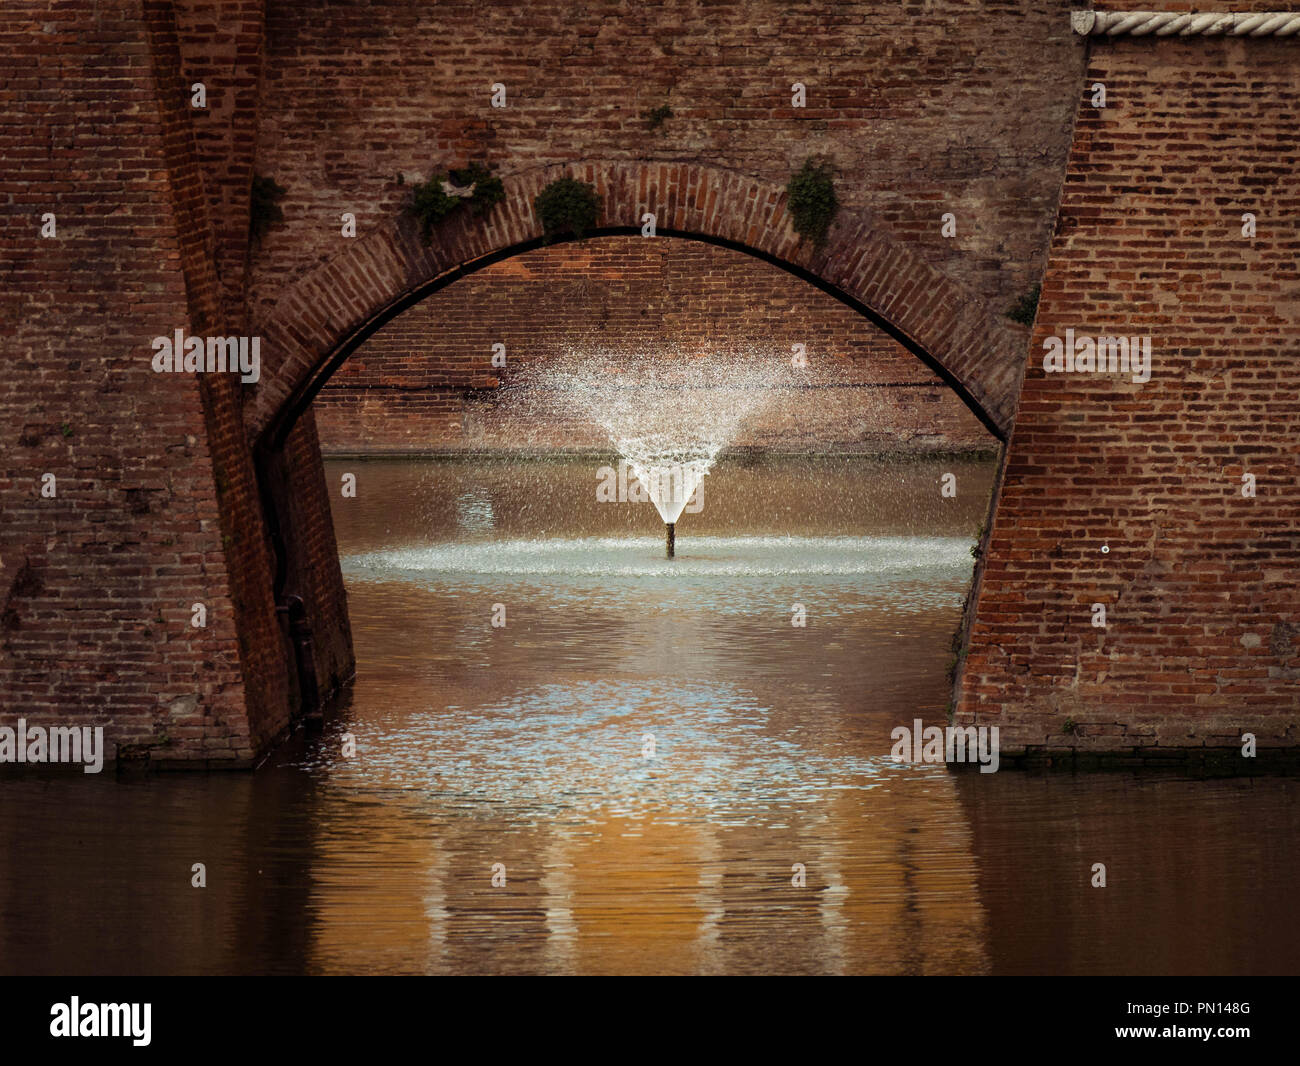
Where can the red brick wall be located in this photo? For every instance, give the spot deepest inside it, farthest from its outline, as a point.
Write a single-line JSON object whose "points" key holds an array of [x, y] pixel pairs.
{"points": [[424, 382], [1199, 583], [96, 584], [221, 47], [926, 106], [296, 477]]}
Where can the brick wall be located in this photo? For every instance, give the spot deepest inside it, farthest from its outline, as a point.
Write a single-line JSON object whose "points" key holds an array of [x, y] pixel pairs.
{"points": [[926, 106], [97, 583], [1199, 582], [221, 48], [424, 382]]}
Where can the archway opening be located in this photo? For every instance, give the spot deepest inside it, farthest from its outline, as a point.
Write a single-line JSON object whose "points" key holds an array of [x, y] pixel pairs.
{"points": [[975, 362], [522, 643], [304, 389]]}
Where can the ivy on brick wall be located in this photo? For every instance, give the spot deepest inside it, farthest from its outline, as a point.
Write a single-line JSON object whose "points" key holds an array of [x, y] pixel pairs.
{"points": [[567, 205], [263, 211], [474, 189], [657, 116], [811, 200], [1026, 308]]}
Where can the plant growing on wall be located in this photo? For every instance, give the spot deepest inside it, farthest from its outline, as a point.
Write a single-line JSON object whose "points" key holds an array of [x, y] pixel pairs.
{"points": [[263, 211], [567, 205], [1027, 308], [811, 200], [658, 116], [474, 189]]}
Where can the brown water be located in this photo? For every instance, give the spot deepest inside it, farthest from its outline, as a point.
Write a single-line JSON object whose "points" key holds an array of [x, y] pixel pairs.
{"points": [[525, 745]]}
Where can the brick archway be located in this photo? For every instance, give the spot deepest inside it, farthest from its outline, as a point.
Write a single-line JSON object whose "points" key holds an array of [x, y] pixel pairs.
{"points": [[329, 311]]}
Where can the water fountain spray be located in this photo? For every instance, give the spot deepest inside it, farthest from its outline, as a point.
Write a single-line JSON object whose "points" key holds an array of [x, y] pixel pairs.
{"points": [[670, 485], [669, 414]]}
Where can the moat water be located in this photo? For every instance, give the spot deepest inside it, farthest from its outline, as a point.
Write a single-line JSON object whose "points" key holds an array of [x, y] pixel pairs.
{"points": [[643, 757]]}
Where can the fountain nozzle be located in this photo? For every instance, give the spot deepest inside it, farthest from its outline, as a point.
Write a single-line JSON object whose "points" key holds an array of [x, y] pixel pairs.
{"points": [[672, 537]]}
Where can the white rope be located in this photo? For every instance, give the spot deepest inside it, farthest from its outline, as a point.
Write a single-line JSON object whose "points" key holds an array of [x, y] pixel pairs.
{"points": [[1186, 24]]}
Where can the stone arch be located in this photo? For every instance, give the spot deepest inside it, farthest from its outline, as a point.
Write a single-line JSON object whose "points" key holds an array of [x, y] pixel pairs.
{"points": [[323, 316]]}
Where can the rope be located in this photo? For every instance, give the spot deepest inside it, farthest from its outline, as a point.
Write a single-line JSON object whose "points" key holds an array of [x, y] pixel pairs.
{"points": [[1186, 24]]}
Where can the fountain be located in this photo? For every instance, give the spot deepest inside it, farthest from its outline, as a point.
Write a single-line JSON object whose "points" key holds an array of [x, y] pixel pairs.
{"points": [[668, 414], [670, 486]]}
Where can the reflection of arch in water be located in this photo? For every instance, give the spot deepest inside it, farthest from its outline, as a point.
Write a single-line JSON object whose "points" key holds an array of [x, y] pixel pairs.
{"points": [[401, 881]]}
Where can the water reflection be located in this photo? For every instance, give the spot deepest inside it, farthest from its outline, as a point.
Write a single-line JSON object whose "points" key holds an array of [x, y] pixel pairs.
{"points": [[524, 746]]}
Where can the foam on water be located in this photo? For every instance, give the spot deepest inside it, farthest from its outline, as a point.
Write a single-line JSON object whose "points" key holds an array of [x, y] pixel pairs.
{"points": [[742, 556]]}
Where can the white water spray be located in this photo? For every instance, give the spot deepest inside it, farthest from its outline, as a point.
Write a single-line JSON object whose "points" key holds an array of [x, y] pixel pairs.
{"points": [[669, 414]]}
